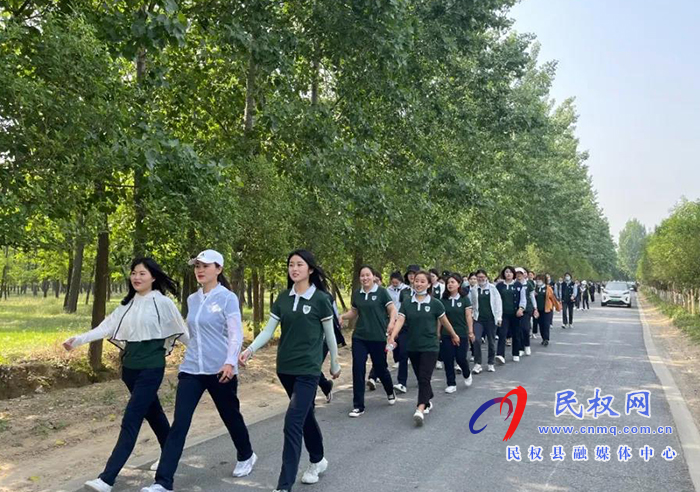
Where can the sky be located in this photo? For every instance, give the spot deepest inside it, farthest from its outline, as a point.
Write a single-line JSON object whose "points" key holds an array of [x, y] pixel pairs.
{"points": [[633, 67]]}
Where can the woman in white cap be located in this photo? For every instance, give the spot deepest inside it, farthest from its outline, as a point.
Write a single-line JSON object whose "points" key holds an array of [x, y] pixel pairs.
{"points": [[211, 364], [144, 327], [304, 310]]}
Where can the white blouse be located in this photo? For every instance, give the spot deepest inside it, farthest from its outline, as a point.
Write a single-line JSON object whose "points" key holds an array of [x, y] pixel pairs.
{"points": [[216, 331], [153, 316]]}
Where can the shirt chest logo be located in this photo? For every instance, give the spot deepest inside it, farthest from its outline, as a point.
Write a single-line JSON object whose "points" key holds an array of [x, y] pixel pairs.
{"points": [[459, 304], [427, 309], [374, 298], [306, 309]]}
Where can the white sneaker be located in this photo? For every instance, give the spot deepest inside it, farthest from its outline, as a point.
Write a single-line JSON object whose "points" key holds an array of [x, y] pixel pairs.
{"points": [[356, 412], [571, 327], [500, 359], [98, 485], [371, 384], [156, 487], [468, 382], [438, 365], [477, 369], [458, 370], [521, 353], [450, 389], [154, 466], [243, 468], [400, 388], [313, 471], [491, 368], [471, 358], [396, 365], [528, 351], [516, 358], [418, 418], [428, 408], [391, 399]]}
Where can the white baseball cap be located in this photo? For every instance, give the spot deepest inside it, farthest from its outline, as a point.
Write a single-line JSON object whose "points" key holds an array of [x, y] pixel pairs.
{"points": [[520, 270], [208, 256]]}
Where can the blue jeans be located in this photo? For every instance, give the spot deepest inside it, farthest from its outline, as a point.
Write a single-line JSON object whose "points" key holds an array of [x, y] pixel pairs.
{"points": [[190, 388], [143, 404], [299, 422]]}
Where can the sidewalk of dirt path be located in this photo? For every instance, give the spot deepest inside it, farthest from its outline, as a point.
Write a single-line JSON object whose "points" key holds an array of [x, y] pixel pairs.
{"points": [[679, 353], [52, 439]]}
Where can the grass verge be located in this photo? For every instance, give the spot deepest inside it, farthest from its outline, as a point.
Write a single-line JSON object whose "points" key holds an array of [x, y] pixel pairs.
{"points": [[682, 319]]}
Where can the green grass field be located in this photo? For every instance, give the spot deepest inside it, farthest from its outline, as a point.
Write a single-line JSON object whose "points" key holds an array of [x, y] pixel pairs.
{"points": [[34, 327]]}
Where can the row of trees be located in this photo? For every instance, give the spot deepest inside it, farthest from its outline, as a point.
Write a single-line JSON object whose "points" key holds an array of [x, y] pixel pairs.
{"points": [[669, 261], [388, 132]]}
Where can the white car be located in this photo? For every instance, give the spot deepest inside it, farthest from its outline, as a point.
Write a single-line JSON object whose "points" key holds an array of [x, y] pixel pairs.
{"points": [[617, 293]]}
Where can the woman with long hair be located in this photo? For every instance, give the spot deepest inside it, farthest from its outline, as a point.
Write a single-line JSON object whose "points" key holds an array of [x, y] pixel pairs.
{"points": [[210, 364], [458, 309], [144, 327], [304, 311], [374, 310], [426, 316]]}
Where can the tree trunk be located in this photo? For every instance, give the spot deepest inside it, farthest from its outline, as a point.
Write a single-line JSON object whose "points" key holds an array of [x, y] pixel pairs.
{"points": [[89, 285], [261, 297], [57, 288], [189, 281], [255, 284], [70, 276], [99, 303], [45, 285], [74, 289], [249, 295], [140, 233], [5, 271]]}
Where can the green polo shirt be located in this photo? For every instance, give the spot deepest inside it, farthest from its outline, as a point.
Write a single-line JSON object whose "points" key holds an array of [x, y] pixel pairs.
{"points": [[372, 315], [455, 311], [510, 296], [423, 319], [541, 297], [149, 354], [300, 351], [485, 311]]}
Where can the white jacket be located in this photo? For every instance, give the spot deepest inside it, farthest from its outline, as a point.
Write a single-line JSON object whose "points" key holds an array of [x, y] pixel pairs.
{"points": [[150, 317], [496, 303]]}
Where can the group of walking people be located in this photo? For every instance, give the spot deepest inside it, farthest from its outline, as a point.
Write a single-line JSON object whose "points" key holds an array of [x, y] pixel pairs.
{"points": [[425, 319]]}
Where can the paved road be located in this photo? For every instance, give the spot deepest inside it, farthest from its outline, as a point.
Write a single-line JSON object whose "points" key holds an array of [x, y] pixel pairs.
{"points": [[383, 451]]}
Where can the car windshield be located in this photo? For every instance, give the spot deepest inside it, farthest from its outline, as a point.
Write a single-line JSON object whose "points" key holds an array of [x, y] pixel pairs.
{"points": [[616, 286]]}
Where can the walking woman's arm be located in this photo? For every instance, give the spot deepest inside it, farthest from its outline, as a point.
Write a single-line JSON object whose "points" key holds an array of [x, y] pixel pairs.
{"points": [[105, 329], [234, 327], [260, 341], [391, 311], [442, 320], [470, 322], [397, 328], [332, 346]]}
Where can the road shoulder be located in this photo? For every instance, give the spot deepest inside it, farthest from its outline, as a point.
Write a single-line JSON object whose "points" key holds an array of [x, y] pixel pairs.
{"points": [[674, 357]]}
